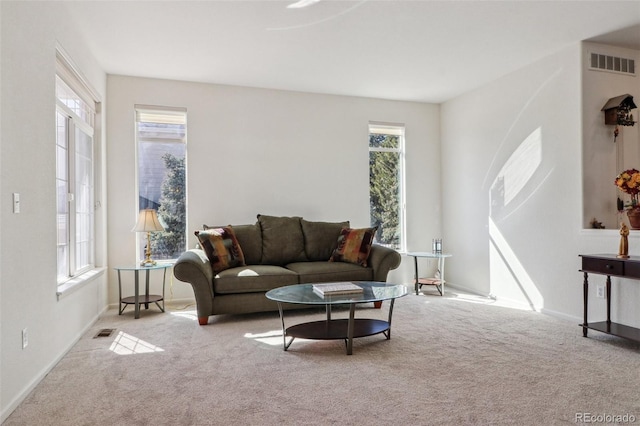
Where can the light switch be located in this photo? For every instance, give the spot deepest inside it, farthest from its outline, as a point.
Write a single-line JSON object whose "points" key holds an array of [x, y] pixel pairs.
{"points": [[16, 202]]}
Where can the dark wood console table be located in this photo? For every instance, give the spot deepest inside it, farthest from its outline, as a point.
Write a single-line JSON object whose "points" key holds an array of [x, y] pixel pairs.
{"points": [[611, 266]]}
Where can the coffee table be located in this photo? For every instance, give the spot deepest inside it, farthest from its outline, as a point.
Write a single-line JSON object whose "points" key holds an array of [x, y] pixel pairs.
{"points": [[332, 329]]}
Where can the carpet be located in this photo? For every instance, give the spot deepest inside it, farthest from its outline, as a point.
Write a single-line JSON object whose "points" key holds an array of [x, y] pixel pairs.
{"points": [[453, 360]]}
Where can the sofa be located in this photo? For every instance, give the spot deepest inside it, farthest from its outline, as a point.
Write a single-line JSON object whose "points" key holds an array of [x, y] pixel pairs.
{"points": [[233, 266]]}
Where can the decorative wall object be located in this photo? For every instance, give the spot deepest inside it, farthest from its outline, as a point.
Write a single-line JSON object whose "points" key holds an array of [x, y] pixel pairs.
{"points": [[617, 111]]}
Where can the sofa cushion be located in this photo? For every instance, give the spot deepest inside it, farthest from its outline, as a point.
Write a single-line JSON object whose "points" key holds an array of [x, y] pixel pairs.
{"points": [[222, 248], [354, 246], [253, 278], [250, 239], [282, 240], [321, 238], [322, 272]]}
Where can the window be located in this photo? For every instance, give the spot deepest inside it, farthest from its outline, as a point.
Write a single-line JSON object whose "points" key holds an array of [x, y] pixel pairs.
{"points": [[75, 115], [386, 181], [161, 135]]}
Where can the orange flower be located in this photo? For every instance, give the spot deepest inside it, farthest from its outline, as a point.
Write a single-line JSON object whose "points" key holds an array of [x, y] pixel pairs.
{"points": [[629, 181]]}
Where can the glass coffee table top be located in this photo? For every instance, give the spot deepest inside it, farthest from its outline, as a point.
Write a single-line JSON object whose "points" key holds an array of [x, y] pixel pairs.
{"points": [[303, 293]]}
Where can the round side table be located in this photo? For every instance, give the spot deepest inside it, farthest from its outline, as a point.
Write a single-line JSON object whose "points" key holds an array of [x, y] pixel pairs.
{"points": [[147, 298], [438, 279]]}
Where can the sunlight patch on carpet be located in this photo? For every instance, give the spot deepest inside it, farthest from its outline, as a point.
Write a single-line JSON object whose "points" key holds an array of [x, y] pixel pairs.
{"points": [[191, 315], [126, 344], [271, 338], [470, 298]]}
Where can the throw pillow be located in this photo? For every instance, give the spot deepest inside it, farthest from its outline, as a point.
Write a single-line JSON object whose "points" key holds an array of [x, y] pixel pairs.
{"points": [[250, 239], [354, 246], [222, 248]]}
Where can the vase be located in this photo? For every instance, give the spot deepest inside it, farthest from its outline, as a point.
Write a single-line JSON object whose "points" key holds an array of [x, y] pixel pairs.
{"points": [[634, 217]]}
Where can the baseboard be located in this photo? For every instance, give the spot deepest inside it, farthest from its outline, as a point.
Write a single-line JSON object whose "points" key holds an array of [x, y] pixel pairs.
{"points": [[561, 315], [43, 373], [468, 290]]}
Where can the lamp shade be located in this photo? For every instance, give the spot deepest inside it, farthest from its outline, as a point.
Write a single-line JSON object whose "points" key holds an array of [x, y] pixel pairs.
{"points": [[148, 222]]}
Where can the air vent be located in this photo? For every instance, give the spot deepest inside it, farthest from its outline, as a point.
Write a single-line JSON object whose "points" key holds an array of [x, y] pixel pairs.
{"points": [[105, 332], [610, 63]]}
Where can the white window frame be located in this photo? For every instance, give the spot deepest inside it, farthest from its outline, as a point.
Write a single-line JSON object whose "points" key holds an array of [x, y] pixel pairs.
{"points": [[395, 129], [167, 115], [77, 104]]}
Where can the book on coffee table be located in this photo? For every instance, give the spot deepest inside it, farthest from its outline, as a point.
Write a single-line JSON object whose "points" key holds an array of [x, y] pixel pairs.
{"points": [[337, 289]]}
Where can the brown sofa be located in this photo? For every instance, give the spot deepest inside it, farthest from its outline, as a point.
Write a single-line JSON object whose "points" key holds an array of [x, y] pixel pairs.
{"points": [[277, 251]]}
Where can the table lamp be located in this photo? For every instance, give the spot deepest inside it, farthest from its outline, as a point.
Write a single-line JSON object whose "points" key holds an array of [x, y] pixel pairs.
{"points": [[148, 222]]}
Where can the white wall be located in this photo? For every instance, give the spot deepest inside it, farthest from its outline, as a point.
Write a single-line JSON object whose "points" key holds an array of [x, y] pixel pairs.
{"points": [[253, 151], [525, 247], [29, 32], [512, 200], [604, 159]]}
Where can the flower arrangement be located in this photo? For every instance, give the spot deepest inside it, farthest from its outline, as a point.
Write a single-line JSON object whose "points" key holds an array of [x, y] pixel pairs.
{"points": [[629, 182]]}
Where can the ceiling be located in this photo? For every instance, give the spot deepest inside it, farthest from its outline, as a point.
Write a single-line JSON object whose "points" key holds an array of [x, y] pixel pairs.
{"points": [[425, 51]]}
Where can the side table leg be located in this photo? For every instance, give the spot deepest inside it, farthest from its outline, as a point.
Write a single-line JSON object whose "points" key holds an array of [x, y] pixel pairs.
{"points": [[164, 279], [120, 307], [608, 303], [146, 290], [415, 277], [137, 295], [441, 269], [585, 296]]}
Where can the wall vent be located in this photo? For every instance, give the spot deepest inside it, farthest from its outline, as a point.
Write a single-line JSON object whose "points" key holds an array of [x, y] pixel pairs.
{"points": [[600, 62]]}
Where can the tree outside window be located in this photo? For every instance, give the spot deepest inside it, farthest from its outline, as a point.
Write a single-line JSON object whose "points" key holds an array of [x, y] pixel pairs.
{"points": [[386, 204], [161, 136]]}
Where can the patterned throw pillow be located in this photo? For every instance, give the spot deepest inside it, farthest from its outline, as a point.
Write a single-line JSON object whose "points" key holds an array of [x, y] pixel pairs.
{"points": [[221, 247], [354, 246]]}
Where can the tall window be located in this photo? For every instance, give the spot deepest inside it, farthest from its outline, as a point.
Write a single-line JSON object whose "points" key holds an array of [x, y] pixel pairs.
{"points": [[75, 114], [386, 181], [161, 135]]}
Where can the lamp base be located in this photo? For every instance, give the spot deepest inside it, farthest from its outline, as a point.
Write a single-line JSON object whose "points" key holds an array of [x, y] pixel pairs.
{"points": [[147, 260]]}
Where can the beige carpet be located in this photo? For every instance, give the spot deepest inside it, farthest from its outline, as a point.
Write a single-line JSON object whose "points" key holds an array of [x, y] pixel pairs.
{"points": [[451, 360]]}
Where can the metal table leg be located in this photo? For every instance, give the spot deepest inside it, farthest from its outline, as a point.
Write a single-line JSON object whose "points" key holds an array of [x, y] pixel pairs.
{"points": [[415, 260], [120, 307], [284, 330], [137, 294], [146, 291], [441, 271], [352, 310]]}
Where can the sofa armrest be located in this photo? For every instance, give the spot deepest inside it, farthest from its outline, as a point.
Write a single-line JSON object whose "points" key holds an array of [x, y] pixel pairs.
{"points": [[193, 267], [382, 260]]}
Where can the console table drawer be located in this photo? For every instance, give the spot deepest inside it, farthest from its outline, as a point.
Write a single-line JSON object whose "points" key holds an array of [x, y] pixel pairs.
{"points": [[603, 266]]}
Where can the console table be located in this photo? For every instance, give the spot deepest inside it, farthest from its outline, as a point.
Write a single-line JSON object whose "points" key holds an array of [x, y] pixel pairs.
{"points": [[610, 266]]}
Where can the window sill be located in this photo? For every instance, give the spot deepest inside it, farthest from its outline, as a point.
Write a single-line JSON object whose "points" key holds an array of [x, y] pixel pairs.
{"points": [[78, 282]]}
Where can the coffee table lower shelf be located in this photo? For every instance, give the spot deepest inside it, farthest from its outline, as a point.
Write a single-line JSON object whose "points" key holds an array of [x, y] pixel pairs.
{"points": [[337, 329], [614, 329]]}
